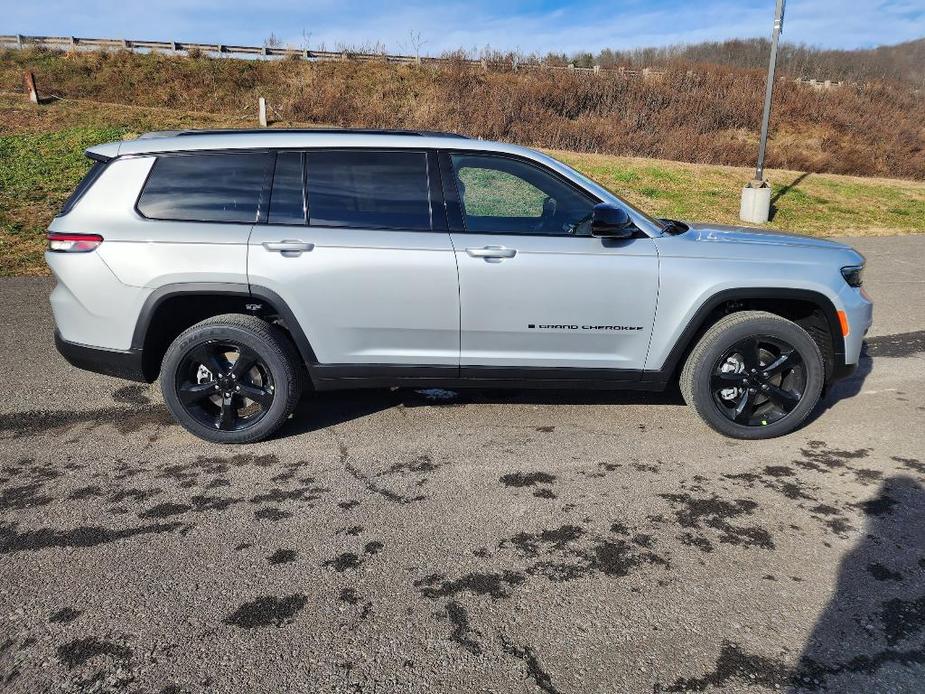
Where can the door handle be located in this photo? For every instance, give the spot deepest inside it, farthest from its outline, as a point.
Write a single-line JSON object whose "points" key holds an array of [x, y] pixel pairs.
{"points": [[491, 252], [288, 248]]}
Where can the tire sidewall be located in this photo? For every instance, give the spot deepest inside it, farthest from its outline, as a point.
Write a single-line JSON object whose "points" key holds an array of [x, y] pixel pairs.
{"points": [[271, 356], [759, 327]]}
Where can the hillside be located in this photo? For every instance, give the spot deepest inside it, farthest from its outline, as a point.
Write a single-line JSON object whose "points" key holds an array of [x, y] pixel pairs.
{"points": [[901, 62], [708, 114], [41, 160]]}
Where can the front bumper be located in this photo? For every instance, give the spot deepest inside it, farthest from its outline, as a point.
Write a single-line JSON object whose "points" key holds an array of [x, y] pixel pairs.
{"points": [[121, 364], [860, 314]]}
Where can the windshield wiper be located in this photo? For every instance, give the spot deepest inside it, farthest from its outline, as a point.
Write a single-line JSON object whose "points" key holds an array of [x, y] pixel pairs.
{"points": [[673, 227]]}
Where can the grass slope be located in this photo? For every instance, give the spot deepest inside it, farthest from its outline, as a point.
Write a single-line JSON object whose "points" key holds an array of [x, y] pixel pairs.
{"points": [[41, 160]]}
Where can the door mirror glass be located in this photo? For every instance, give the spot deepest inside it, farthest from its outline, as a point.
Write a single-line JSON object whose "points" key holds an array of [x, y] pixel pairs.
{"points": [[611, 222]]}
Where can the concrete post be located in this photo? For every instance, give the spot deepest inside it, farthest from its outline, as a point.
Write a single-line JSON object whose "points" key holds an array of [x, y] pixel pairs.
{"points": [[262, 112], [756, 203], [29, 81]]}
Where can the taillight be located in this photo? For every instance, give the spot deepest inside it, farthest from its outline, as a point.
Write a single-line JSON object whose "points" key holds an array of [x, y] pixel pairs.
{"points": [[73, 243]]}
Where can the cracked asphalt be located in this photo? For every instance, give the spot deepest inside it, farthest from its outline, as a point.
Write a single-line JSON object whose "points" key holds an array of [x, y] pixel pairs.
{"points": [[471, 541]]}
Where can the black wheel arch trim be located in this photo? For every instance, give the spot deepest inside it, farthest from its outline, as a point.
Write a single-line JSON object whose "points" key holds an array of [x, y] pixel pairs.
{"points": [[693, 327], [256, 292], [657, 377]]}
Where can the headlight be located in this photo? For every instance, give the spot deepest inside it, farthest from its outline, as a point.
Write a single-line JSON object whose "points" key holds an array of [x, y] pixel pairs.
{"points": [[853, 275]]}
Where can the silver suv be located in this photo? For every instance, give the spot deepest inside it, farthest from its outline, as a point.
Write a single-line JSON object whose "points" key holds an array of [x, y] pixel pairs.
{"points": [[245, 266]]}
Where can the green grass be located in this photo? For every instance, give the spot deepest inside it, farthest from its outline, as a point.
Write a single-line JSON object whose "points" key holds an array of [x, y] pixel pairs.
{"points": [[492, 193], [41, 161], [816, 204], [37, 173]]}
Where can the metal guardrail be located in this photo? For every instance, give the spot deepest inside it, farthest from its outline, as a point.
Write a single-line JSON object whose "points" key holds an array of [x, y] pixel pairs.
{"points": [[77, 43]]}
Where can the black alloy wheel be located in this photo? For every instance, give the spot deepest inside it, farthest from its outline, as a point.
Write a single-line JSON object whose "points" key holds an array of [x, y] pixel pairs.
{"points": [[225, 385], [754, 375], [758, 381], [232, 378]]}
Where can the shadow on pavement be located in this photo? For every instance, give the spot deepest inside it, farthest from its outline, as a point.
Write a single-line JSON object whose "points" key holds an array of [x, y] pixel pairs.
{"points": [[872, 631], [323, 409], [892, 346], [844, 389]]}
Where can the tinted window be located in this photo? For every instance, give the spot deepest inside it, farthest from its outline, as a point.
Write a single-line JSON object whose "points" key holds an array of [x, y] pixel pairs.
{"points": [[205, 187], [287, 202], [510, 196], [83, 187], [373, 190]]}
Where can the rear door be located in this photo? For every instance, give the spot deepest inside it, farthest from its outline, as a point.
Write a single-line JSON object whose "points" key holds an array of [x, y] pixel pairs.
{"points": [[356, 244], [536, 289]]}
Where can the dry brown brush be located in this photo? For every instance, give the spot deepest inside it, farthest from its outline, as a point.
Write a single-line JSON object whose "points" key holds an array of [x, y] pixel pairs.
{"points": [[702, 113]]}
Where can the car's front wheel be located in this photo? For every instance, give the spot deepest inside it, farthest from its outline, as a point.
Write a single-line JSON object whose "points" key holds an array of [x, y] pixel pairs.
{"points": [[231, 379], [753, 375]]}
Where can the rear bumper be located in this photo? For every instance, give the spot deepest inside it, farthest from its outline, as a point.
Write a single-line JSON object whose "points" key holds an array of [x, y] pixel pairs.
{"points": [[118, 363]]}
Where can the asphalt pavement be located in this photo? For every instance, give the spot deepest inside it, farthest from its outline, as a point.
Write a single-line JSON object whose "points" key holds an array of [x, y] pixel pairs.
{"points": [[393, 541]]}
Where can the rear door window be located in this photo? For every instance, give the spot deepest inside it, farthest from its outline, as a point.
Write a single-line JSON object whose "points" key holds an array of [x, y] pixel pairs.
{"points": [[287, 197], [368, 189], [206, 187]]}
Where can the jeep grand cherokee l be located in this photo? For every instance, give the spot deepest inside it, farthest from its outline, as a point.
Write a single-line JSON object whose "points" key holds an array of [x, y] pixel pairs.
{"points": [[242, 267]]}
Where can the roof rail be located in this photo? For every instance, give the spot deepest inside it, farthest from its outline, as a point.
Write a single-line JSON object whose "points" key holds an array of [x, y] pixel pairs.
{"points": [[301, 131], [158, 133]]}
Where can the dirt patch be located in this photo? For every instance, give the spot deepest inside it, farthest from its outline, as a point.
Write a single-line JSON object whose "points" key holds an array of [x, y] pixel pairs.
{"points": [[85, 536], [267, 611], [79, 651], [497, 586], [901, 345], [526, 479]]}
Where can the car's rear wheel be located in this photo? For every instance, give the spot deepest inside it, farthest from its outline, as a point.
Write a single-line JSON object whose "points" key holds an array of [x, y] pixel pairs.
{"points": [[231, 379], [754, 375]]}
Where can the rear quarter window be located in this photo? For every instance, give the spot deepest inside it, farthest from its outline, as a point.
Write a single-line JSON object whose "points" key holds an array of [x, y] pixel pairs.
{"points": [[85, 184], [206, 187]]}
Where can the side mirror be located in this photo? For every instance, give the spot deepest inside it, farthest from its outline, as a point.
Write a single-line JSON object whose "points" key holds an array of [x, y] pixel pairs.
{"points": [[611, 222]]}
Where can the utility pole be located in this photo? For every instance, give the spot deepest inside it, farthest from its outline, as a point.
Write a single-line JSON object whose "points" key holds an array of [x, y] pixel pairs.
{"points": [[756, 196]]}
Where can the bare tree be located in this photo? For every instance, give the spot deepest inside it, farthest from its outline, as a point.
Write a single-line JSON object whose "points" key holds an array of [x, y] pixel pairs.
{"points": [[415, 43]]}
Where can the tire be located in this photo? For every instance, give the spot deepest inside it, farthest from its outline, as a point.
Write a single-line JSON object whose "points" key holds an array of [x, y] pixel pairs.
{"points": [[719, 383], [206, 391]]}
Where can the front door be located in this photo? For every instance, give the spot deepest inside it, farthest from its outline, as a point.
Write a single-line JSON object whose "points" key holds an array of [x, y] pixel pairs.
{"points": [[353, 247], [536, 289]]}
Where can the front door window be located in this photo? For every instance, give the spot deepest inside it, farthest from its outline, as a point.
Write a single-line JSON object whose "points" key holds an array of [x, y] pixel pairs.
{"points": [[501, 195]]}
